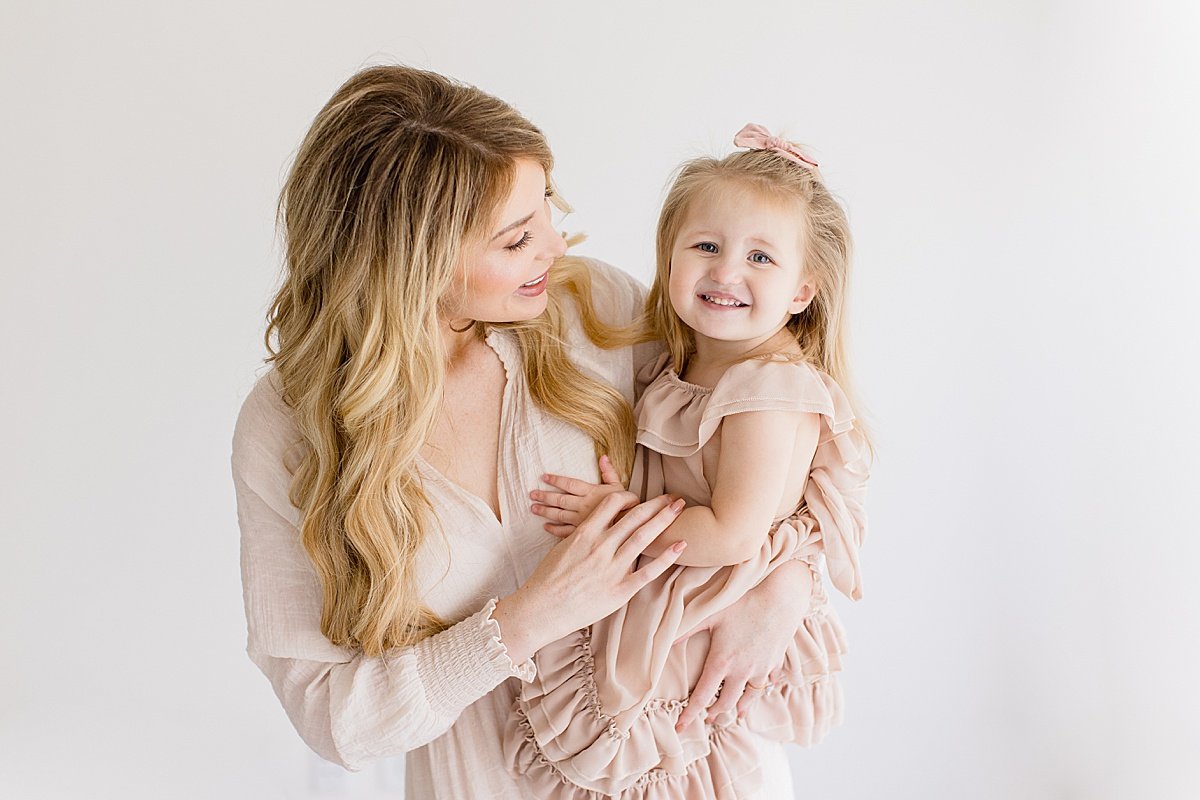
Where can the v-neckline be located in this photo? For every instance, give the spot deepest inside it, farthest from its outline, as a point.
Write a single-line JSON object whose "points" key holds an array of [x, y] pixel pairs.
{"points": [[491, 340]]}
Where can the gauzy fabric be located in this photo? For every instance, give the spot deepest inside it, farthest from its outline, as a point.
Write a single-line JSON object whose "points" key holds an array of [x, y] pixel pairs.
{"points": [[599, 717], [443, 702]]}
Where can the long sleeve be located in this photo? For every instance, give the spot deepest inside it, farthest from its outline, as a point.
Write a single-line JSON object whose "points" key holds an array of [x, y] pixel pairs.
{"points": [[347, 707]]}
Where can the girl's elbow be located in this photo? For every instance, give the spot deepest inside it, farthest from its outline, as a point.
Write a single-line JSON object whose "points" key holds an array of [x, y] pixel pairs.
{"points": [[743, 547]]}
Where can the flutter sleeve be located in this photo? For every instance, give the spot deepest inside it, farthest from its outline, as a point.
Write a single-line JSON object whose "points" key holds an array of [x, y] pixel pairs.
{"points": [[349, 708], [835, 493], [675, 420]]}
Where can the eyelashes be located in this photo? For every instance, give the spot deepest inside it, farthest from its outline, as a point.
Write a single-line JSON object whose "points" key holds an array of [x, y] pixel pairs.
{"points": [[711, 249], [527, 237], [522, 244]]}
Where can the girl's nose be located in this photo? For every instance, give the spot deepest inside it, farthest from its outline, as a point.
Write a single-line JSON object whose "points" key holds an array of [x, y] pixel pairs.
{"points": [[724, 270]]}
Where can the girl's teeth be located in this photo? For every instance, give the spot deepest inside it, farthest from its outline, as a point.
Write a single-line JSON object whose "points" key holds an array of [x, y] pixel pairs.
{"points": [[538, 279], [720, 301]]}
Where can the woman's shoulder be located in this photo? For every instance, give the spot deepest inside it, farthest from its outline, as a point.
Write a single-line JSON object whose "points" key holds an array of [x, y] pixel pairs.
{"points": [[265, 430], [616, 297]]}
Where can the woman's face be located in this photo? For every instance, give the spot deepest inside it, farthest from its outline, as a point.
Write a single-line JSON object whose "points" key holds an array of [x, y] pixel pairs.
{"points": [[506, 275]]}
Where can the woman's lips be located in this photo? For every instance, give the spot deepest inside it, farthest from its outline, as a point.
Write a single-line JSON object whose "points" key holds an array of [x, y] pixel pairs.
{"points": [[534, 287]]}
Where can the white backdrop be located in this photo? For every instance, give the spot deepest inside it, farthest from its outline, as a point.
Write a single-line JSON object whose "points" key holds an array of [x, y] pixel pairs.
{"points": [[1022, 181]]}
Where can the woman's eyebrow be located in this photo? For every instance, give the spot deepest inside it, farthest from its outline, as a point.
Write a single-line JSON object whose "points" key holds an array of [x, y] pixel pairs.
{"points": [[514, 226]]}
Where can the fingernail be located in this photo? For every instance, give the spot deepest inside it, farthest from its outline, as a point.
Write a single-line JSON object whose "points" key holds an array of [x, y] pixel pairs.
{"points": [[677, 506], [534, 508], [546, 476], [679, 546]]}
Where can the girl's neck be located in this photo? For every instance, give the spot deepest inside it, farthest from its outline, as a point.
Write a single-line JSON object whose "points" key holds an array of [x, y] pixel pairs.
{"points": [[714, 356]]}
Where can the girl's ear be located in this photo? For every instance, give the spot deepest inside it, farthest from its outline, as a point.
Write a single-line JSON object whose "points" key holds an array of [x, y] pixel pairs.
{"points": [[804, 296]]}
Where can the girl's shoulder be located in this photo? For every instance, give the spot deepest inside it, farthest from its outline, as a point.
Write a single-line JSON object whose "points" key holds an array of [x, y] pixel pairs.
{"points": [[778, 384], [677, 418]]}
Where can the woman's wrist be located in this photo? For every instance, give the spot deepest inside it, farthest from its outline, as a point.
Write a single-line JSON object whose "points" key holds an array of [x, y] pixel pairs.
{"points": [[518, 626]]}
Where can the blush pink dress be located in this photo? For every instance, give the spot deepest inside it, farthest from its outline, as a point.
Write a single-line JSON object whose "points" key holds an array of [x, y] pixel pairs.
{"points": [[598, 720]]}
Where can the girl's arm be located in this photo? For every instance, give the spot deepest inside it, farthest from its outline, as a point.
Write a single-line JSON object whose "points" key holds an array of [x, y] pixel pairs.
{"points": [[758, 449]]}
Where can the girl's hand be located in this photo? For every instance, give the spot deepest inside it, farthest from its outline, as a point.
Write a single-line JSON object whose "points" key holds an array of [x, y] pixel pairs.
{"points": [[576, 499], [588, 575], [748, 643]]}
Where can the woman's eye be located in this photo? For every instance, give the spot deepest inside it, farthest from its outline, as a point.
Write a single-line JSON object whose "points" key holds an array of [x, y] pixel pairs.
{"points": [[520, 245], [707, 247], [761, 258]]}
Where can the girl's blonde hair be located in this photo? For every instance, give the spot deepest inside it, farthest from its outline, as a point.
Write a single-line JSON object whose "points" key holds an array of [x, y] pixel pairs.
{"points": [[818, 330], [398, 172]]}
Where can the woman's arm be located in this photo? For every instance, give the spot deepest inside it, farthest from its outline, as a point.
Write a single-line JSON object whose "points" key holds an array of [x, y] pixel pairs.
{"points": [[348, 707], [741, 652], [351, 708]]}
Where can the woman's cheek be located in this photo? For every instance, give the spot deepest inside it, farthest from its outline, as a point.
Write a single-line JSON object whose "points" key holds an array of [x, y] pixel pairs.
{"points": [[489, 285]]}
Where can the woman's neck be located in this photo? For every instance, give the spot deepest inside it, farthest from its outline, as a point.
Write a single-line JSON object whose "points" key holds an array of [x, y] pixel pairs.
{"points": [[456, 342]]}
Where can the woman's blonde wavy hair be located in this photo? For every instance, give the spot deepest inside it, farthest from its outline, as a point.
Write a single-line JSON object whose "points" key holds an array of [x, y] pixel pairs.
{"points": [[818, 330], [399, 172]]}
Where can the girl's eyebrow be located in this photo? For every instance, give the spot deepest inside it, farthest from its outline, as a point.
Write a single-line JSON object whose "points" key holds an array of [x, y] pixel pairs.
{"points": [[755, 239], [514, 226]]}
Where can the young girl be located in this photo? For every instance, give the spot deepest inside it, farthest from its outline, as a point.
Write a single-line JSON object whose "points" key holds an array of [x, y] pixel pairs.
{"points": [[744, 419]]}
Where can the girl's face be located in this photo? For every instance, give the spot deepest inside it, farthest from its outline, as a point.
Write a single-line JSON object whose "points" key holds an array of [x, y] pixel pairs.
{"points": [[506, 275], [737, 266]]}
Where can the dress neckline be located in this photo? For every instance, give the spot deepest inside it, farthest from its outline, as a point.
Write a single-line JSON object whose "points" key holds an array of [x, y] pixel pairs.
{"points": [[694, 388], [498, 340]]}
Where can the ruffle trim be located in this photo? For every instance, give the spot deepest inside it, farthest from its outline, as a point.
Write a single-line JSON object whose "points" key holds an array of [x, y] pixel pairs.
{"points": [[711, 775], [495, 649], [572, 750], [677, 418]]}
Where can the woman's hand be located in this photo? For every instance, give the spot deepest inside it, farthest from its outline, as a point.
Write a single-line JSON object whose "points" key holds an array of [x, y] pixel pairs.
{"points": [[576, 499], [588, 575], [748, 642]]}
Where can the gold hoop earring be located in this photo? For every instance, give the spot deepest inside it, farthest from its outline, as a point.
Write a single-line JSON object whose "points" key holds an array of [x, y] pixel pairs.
{"points": [[469, 325]]}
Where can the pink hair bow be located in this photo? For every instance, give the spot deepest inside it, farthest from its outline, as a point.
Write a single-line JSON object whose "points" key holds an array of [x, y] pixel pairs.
{"points": [[756, 137]]}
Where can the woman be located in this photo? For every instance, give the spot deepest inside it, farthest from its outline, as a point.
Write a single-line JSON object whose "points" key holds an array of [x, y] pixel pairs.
{"points": [[396, 582]]}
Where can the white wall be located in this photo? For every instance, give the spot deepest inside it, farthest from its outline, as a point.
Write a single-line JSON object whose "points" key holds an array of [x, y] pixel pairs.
{"points": [[1022, 181]]}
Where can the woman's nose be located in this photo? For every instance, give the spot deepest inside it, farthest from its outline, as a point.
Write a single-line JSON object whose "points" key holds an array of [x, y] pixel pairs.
{"points": [[558, 244]]}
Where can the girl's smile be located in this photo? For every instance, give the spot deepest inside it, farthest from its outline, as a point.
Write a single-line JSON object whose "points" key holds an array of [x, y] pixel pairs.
{"points": [[737, 267]]}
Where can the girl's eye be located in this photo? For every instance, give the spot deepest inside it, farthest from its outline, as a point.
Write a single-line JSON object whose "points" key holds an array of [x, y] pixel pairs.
{"points": [[761, 258], [526, 238], [706, 247]]}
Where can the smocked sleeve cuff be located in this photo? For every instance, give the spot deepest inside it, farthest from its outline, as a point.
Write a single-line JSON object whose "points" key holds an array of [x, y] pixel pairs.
{"points": [[468, 663]]}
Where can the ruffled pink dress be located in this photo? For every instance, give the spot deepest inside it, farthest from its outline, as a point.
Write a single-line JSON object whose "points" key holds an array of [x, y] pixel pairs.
{"points": [[599, 718]]}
